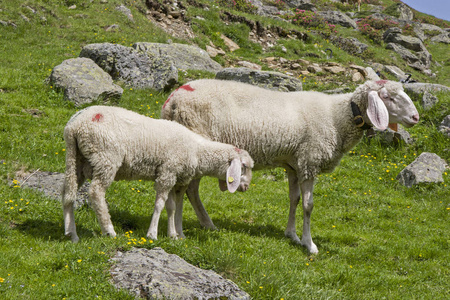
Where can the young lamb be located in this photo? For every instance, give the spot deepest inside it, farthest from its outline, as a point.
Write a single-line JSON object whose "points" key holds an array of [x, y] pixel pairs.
{"points": [[111, 143], [307, 133]]}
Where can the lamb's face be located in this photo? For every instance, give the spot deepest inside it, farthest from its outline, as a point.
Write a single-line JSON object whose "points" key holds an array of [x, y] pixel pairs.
{"points": [[246, 172], [238, 173], [400, 107]]}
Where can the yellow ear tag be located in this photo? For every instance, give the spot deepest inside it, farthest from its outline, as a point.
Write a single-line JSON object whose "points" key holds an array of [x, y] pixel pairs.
{"points": [[230, 179]]}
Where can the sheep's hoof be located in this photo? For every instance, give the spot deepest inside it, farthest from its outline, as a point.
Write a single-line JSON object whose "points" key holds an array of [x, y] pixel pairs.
{"points": [[151, 236], [73, 237], [293, 236], [312, 248]]}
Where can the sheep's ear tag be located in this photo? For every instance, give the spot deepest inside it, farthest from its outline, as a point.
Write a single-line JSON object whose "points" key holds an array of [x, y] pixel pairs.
{"points": [[234, 175]]}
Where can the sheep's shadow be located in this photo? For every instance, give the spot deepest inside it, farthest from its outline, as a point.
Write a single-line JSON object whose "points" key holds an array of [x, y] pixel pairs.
{"points": [[46, 230]]}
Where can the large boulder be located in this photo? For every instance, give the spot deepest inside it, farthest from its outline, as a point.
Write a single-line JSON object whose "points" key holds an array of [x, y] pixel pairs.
{"points": [[396, 71], [184, 57], [351, 45], [51, 184], [427, 168], [441, 38], [444, 127], [266, 79], [337, 18], [155, 274], [391, 137], [405, 13], [428, 100], [84, 82], [393, 35], [419, 88], [419, 60], [132, 67]]}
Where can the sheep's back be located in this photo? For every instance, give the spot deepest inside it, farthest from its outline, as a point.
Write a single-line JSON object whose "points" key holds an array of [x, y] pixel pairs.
{"points": [[272, 126], [139, 144]]}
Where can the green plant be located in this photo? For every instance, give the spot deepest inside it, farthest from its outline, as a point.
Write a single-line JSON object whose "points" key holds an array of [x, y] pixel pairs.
{"points": [[240, 5], [311, 20], [374, 28]]}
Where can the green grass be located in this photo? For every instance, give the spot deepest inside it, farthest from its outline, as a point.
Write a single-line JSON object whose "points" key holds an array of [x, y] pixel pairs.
{"points": [[376, 239]]}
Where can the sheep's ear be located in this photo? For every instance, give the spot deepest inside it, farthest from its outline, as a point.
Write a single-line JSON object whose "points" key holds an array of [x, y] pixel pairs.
{"points": [[377, 111], [234, 175]]}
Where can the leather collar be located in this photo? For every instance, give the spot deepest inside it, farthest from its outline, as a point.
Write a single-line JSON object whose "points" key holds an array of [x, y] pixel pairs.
{"points": [[358, 118]]}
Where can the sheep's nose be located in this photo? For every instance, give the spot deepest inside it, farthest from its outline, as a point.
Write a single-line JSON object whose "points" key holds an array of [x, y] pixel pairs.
{"points": [[243, 187], [415, 118]]}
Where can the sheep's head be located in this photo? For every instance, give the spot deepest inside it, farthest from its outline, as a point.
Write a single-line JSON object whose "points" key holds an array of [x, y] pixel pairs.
{"points": [[399, 106], [239, 173]]}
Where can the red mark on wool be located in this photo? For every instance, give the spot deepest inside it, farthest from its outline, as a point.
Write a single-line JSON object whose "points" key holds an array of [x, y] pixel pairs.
{"points": [[97, 118], [237, 150], [186, 87], [381, 82]]}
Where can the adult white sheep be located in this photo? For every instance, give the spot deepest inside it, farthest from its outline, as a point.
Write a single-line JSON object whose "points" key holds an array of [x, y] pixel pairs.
{"points": [[307, 133], [111, 143]]}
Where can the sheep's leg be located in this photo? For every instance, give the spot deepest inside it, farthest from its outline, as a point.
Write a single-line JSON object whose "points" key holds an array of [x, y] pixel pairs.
{"points": [[161, 198], [69, 222], [294, 197], [307, 195], [170, 207], [73, 179], [200, 211], [179, 197], [97, 200]]}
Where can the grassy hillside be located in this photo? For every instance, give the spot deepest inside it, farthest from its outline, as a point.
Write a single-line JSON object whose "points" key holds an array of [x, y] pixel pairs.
{"points": [[376, 239]]}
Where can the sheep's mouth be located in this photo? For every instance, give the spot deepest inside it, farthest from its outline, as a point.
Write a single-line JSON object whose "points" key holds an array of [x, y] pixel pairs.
{"points": [[408, 123], [243, 188]]}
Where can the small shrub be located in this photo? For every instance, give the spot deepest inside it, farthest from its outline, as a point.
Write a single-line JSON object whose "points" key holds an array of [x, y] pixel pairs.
{"points": [[280, 4], [311, 20], [374, 28], [240, 5]]}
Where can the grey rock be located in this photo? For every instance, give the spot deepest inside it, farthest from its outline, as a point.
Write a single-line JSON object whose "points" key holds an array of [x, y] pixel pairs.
{"points": [[396, 71], [126, 11], [350, 45], [372, 75], [132, 67], [444, 127], [184, 57], [419, 88], [155, 274], [381, 16], [404, 53], [431, 27], [314, 69], [306, 6], [265, 10], [427, 168], [419, 60], [419, 32], [428, 100], [84, 82], [296, 3], [405, 12], [51, 183], [334, 69], [266, 79], [412, 43], [337, 18], [391, 137], [441, 38]]}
